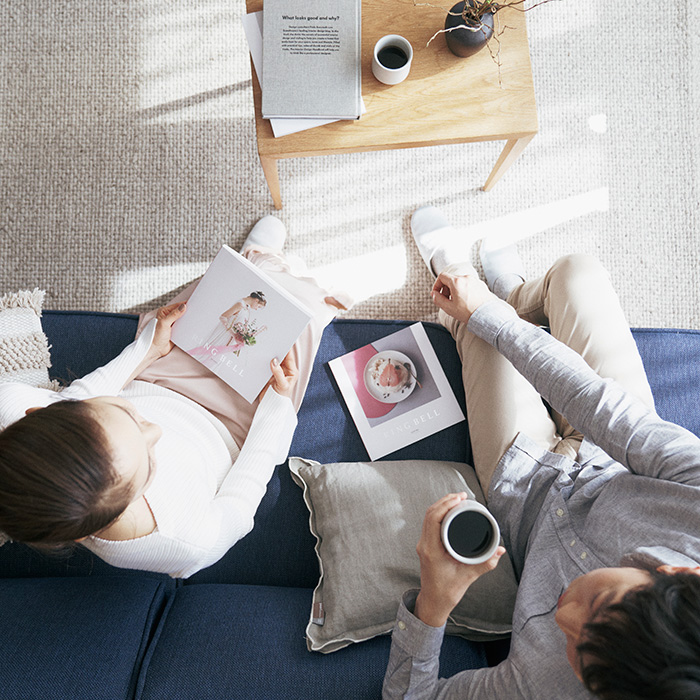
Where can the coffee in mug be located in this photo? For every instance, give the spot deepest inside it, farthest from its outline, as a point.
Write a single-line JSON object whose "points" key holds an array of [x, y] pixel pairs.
{"points": [[470, 533], [392, 57], [391, 60]]}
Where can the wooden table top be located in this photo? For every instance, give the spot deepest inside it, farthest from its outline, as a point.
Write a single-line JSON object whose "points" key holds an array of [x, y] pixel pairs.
{"points": [[445, 99]]}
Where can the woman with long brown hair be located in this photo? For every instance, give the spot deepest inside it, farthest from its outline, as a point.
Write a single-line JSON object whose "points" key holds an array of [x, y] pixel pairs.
{"points": [[152, 462]]}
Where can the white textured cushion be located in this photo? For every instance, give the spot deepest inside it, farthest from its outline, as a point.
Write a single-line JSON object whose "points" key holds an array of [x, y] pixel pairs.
{"points": [[367, 518], [24, 350]]}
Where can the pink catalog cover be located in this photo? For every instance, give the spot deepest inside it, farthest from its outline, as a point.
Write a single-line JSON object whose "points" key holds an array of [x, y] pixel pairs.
{"points": [[237, 320], [396, 391]]}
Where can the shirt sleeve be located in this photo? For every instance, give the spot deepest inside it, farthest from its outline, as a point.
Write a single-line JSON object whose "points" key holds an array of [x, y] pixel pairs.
{"points": [[412, 672], [619, 423], [414, 659], [111, 378], [16, 398]]}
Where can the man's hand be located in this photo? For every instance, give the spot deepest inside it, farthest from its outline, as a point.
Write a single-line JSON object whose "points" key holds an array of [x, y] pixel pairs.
{"points": [[166, 317], [460, 296], [284, 376], [444, 580]]}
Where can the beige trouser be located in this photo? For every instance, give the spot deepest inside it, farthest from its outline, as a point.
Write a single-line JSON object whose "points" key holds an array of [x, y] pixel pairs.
{"points": [[575, 298]]}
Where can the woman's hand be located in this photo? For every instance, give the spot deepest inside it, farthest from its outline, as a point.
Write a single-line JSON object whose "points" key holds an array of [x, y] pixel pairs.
{"points": [[444, 580], [284, 376], [461, 296], [166, 316], [161, 344]]}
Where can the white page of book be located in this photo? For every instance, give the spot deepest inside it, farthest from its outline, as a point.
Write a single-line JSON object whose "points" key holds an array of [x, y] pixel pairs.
{"points": [[230, 331]]}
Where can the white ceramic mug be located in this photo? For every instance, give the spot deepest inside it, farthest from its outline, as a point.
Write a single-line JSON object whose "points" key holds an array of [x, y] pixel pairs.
{"points": [[402, 50], [470, 533]]}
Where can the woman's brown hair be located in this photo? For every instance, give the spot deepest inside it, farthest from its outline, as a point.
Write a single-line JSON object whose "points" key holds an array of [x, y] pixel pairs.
{"points": [[57, 479]]}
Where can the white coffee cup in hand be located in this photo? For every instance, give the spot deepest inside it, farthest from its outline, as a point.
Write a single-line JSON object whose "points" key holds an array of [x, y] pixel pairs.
{"points": [[470, 533]]}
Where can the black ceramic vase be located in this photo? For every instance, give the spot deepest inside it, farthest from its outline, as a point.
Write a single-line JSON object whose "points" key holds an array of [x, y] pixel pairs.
{"points": [[466, 41]]}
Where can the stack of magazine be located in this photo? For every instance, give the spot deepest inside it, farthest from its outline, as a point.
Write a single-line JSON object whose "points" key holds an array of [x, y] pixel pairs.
{"points": [[307, 57]]}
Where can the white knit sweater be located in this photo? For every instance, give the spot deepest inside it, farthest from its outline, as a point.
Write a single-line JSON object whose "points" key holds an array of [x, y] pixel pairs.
{"points": [[205, 491]]}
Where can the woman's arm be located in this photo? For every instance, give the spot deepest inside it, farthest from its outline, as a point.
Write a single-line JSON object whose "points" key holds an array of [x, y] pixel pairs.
{"points": [[229, 316], [266, 445], [152, 343]]}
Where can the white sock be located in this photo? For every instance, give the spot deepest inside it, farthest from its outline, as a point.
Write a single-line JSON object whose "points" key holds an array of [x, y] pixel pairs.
{"points": [[439, 243], [502, 267], [269, 233]]}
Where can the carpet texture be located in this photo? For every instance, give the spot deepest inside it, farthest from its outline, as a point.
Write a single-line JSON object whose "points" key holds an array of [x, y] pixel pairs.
{"points": [[127, 157]]}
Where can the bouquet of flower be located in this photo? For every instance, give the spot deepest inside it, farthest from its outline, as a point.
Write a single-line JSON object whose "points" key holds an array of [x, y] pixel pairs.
{"points": [[244, 333]]}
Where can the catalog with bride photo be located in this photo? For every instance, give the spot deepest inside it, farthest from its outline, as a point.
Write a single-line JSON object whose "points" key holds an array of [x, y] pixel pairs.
{"points": [[237, 320], [396, 391]]}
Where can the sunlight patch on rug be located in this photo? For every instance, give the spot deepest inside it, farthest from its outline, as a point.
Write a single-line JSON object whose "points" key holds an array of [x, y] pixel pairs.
{"points": [[365, 276], [508, 229], [134, 287]]}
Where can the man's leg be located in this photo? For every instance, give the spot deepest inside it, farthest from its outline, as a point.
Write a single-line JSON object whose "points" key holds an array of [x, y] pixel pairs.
{"points": [[577, 300], [500, 401]]}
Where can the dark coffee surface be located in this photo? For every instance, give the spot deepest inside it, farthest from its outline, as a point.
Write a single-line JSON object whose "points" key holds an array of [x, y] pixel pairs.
{"points": [[469, 534], [392, 57]]}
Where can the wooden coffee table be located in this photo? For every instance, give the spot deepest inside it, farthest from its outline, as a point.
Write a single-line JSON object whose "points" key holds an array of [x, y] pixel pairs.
{"points": [[444, 100]]}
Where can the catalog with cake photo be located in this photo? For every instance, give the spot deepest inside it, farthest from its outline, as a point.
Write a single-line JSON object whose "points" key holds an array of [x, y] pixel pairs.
{"points": [[396, 391], [237, 320]]}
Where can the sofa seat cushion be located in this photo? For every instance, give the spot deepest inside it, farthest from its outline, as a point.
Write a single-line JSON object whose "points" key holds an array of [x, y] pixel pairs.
{"points": [[76, 637], [247, 643], [279, 551]]}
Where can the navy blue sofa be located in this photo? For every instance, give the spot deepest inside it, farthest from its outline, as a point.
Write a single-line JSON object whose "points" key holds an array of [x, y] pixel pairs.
{"points": [[74, 627]]}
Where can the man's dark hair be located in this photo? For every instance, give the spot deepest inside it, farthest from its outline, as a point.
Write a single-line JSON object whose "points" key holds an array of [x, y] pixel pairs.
{"points": [[57, 479], [648, 644]]}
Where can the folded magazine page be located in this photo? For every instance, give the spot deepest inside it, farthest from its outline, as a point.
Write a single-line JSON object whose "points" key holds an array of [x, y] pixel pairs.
{"points": [[237, 320], [396, 391]]}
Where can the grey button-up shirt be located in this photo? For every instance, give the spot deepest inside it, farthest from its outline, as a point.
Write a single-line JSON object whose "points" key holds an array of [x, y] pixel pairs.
{"points": [[631, 499]]}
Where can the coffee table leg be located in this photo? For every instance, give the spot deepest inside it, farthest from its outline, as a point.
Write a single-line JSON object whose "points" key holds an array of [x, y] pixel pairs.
{"points": [[269, 166], [511, 152]]}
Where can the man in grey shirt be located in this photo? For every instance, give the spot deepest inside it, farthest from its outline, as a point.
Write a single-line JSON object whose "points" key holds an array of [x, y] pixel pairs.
{"points": [[597, 497]]}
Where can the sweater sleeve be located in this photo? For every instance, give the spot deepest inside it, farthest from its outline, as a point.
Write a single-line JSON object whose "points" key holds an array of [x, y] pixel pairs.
{"points": [[110, 379], [616, 421], [16, 398], [234, 507]]}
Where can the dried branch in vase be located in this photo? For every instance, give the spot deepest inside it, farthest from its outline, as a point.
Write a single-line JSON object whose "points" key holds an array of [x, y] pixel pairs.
{"points": [[481, 16]]}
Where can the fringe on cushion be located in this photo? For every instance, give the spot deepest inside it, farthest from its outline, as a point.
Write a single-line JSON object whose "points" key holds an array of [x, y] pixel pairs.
{"points": [[24, 300]]}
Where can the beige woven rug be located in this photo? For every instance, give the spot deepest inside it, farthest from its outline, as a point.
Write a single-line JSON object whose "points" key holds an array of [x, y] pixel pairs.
{"points": [[127, 157]]}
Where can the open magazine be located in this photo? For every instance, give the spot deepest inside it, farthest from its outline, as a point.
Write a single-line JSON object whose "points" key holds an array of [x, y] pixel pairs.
{"points": [[237, 320], [396, 391]]}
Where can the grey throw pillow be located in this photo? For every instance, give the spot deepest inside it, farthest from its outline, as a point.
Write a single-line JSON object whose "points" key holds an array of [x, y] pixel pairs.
{"points": [[367, 518]]}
